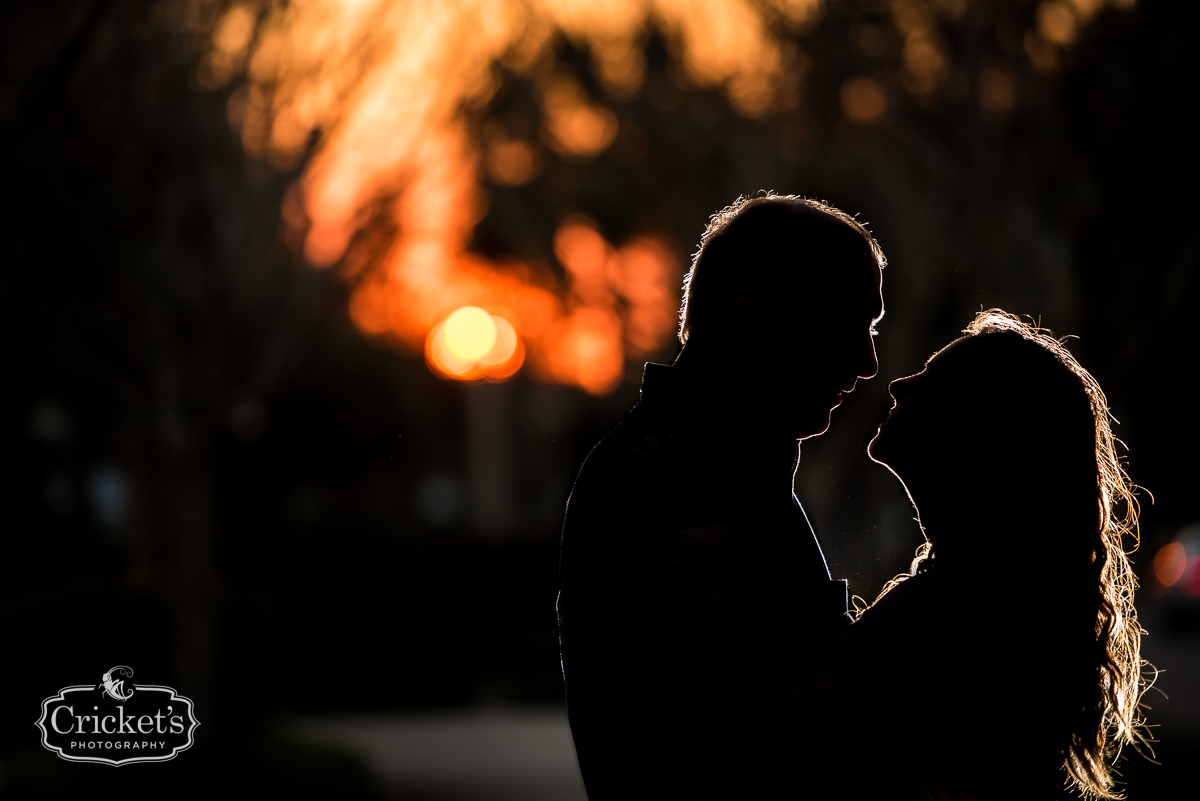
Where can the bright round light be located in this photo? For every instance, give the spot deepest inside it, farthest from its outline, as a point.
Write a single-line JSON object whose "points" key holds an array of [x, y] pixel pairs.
{"points": [[470, 333], [1170, 563], [505, 345]]}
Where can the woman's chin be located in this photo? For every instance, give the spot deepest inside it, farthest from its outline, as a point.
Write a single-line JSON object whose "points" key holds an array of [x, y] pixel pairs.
{"points": [[884, 450], [877, 448]]}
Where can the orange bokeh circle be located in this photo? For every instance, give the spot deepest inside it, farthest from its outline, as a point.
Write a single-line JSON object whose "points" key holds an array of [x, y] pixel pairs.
{"points": [[500, 362]]}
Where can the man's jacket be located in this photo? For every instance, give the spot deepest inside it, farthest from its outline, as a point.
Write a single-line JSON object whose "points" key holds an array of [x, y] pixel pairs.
{"points": [[691, 581]]}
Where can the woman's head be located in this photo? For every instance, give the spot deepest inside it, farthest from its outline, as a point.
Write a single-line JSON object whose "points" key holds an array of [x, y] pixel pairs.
{"points": [[1004, 435], [996, 422]]}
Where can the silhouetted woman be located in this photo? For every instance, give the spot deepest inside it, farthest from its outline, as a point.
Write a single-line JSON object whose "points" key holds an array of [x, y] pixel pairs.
{"points": [[1013, 652]]}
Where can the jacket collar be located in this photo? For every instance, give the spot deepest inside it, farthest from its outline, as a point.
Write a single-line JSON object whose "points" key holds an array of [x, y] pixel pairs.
{"points": [[691, 405]]}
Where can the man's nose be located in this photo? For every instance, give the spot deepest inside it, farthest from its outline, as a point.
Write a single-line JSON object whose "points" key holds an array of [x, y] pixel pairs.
{"points": [[868, 361]]}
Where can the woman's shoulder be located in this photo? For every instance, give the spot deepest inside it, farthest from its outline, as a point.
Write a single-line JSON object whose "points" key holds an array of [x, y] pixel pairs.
{"points": [[897, 623], [915, 595]]}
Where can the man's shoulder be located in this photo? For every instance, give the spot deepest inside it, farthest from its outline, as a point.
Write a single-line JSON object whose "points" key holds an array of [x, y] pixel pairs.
{"points": [[605, 461], [602, 485], [626, 498]]}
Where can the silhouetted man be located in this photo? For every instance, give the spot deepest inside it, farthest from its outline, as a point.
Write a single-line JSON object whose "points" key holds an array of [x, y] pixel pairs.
{"points": [[690, 577]]}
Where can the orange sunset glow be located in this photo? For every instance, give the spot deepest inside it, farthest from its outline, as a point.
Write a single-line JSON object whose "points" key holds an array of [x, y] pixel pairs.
{"points": [[384, 86], [376, 96], [471, 343]]}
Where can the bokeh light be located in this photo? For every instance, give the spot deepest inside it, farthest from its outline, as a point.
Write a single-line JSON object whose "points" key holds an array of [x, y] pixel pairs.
{"points": [[384, 86], [471, 344], [1189, 583], [506, 354], [1169, 563], [379, 98], [470, 333]]}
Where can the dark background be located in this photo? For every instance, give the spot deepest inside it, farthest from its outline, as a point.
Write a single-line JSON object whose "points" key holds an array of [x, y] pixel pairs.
{"points": [[211, 475]]}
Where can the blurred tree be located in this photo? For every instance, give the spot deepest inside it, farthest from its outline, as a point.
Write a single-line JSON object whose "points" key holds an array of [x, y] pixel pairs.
{"points": [[1030, 155], [983, 139], [148, 288]]}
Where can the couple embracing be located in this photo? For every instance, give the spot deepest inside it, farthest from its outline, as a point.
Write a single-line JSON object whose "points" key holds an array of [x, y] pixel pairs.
{"points": [[706, 650]]}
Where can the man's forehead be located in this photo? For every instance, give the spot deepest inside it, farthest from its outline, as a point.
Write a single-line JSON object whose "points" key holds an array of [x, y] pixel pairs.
{"points": [[869, 287], [853, 307], [852, 287]]}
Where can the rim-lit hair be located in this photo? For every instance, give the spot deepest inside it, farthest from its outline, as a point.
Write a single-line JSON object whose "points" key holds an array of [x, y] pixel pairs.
{"points": [[1112, 720], [1116, 721], [720, 222]]}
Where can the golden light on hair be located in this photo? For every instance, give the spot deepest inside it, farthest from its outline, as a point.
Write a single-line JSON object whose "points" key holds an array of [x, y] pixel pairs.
{"points": [[719, 222], [1169, 563], [1118, 718]]}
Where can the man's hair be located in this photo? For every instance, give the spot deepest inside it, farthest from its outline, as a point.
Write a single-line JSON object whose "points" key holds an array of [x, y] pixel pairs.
{"points": [[741, 252]]}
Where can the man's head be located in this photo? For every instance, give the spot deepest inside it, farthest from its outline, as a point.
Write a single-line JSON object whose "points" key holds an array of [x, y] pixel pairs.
{"points": [[782, 297]]}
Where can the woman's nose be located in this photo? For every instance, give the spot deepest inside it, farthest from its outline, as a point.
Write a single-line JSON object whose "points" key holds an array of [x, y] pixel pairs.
{"points": [[901, 388]]}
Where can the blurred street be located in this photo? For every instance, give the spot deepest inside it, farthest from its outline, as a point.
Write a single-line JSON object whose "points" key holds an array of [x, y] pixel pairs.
{"points": [[486, 754], [1177, 658]]}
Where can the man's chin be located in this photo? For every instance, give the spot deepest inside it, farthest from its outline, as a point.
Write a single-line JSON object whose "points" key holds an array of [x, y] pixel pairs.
{"points": [[819, 422], [813, 429]]}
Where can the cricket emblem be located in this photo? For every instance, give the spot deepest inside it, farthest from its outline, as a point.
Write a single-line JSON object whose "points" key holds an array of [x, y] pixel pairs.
{"points": [[116, 687], [114, 723]]}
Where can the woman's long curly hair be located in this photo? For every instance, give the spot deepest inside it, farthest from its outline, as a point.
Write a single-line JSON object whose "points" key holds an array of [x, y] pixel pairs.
{"points": [[1111, 719]]}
